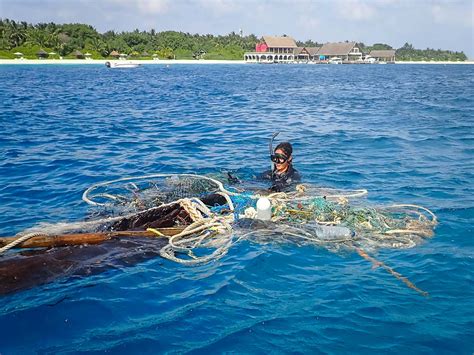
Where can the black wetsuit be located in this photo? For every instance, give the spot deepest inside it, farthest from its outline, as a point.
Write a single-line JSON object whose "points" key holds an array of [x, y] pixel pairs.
{"points": [[282, 182]]}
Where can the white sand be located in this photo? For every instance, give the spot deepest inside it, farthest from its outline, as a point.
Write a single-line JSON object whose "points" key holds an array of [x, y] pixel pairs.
{"points": [[433, 62], [103, 61], [162, 62]]}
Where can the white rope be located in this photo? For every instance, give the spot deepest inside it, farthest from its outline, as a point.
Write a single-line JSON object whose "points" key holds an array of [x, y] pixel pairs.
{"points": [[204, 232], [299, 194], [19, 241], [434, 219], [90, 199]]}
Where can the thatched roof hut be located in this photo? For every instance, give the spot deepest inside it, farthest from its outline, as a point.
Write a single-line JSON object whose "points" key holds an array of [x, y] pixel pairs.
{"points": [[78, 54], [114, 54], [333, 49], [306, 52], [298, 50], [279, 42], [345, 50], [312, 50], [387, 55], [42, 54], [145, 54]]}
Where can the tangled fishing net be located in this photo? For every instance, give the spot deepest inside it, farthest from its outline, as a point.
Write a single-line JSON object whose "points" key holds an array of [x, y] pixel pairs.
{"points": [[132, 194], [309, 214], [396, 226], [208, 218]]}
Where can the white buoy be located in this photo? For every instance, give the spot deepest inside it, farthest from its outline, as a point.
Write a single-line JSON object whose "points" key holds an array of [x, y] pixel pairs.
{"points": [[264, 209]]}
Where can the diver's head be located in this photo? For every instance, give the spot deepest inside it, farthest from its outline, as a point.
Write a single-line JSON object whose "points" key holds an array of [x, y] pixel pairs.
{"points": [[282, 157]]}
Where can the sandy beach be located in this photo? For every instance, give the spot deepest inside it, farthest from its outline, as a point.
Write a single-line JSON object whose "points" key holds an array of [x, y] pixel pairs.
{"points": [[103, 61], [433, 62], [164, 62]]}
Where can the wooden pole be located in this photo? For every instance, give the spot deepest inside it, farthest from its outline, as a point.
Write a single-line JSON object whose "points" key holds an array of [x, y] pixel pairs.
{"points": [[86, 238]]}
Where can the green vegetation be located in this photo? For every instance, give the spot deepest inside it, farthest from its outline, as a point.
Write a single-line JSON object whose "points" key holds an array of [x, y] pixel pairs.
{"points": [[308, 43], [66, 39], [409, 53], [374, 47]]}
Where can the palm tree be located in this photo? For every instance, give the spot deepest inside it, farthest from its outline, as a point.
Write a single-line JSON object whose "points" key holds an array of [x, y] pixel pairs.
{"points": [[54, 42], [36, 36], [17, 37], [96, 44]]}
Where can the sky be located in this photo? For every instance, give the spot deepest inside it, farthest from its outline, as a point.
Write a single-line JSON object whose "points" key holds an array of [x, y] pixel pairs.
{"points": [[444, 24]]}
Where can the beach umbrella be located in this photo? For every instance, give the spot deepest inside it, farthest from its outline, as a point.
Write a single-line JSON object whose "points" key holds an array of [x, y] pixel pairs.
{"points": [[18, 53], [87, 54], [52, 53], [155, 55]]}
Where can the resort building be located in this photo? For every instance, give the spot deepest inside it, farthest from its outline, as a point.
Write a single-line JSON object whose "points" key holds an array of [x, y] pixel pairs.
{"points": [[386, 55], [306, 54], [273, 50], [284, 50], [346, 51]]}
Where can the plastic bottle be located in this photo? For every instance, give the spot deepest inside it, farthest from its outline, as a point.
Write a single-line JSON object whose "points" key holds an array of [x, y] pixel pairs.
{"points": [[264, 209], [332, 232]]}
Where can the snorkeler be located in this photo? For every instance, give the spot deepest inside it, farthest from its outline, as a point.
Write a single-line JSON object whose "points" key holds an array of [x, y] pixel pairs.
{"points": [[283, 174]]}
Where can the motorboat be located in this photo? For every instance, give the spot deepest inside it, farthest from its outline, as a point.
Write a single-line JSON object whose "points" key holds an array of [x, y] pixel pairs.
{"points": [[370, 60], [335, 60], [124, 65]]}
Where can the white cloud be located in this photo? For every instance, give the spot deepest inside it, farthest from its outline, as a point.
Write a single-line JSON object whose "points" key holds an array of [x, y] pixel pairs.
{"points": [[220, 6], [444, 12], [438, 14], [309, 22], [152, 6], [357, 10], [144, 7], [388, 2]]}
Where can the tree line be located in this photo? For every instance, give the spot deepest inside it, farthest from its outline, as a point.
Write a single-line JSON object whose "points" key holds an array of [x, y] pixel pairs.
{"points": [[65, 39]]}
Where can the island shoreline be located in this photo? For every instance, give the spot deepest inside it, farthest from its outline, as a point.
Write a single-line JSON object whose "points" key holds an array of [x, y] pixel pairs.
{"points": [[168, 62]]}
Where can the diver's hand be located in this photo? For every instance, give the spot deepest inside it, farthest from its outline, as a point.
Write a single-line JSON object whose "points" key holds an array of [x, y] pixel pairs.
{"points": [[232, 179]]}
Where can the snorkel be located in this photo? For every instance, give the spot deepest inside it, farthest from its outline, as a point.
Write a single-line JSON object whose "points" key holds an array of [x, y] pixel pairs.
{"points": [[270, 147]]}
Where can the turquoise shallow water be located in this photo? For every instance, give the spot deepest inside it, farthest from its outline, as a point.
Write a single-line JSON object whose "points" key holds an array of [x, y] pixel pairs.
{"points": [[405, 133]]}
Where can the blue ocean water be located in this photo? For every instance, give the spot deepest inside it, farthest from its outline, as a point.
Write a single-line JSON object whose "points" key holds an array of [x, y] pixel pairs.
{"points": [[404, 132]]}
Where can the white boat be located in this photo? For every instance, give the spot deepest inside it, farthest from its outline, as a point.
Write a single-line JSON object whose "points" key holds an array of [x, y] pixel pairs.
{"points": [[369, 59], [116, 65], [335, 60]]}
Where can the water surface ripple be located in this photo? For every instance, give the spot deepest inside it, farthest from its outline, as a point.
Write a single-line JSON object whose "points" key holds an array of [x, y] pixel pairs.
{"points": [[403, 132]]}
